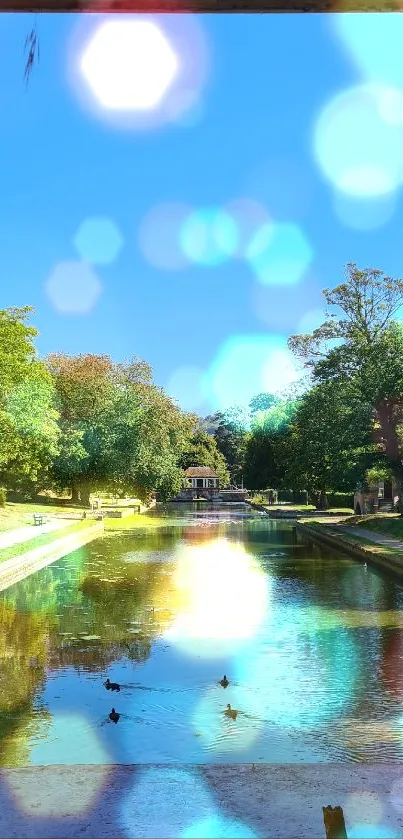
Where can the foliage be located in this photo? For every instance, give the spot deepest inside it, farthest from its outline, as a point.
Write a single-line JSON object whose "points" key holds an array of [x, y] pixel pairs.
{"points": [[367, 357], [119, 431], [262, 402], [230, 433], [28, 420], [3, 497], [341, 500], [202, 450], [328, 443]]}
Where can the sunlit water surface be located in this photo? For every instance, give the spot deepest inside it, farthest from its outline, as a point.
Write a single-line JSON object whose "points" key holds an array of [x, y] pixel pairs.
{"points": [[311, 642]]}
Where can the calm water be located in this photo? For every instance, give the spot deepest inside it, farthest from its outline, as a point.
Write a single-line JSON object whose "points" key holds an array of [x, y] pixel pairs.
{"points": [[312, 644]]}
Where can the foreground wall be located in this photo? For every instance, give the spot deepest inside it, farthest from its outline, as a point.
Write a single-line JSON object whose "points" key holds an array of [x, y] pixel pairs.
{"points": [[16, 569]]}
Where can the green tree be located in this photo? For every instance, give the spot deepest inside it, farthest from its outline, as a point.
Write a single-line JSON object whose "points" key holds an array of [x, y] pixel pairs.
{"points": [[202, 450], [119, 430], [328, 444], [363, 344], [28, 418]]}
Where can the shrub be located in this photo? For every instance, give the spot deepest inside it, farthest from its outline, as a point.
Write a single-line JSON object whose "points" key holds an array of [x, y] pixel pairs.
{"points": [[294, 496], [3, 497], [341, 499]]}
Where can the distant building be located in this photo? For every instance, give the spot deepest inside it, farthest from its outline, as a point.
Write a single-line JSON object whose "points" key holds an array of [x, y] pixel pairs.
{"points": [[203, 482], [381, 496], [201, 477]]}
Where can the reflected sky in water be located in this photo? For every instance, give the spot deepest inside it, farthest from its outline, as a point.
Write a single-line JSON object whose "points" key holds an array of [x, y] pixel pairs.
{"points": [[310, 641]]}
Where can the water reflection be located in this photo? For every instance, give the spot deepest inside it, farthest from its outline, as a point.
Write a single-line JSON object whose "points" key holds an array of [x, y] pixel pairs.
{"points": [[311, 643]]}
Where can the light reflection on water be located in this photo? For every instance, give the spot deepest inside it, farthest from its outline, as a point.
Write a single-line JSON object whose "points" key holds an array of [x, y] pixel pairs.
{"points": [[315, 678]]}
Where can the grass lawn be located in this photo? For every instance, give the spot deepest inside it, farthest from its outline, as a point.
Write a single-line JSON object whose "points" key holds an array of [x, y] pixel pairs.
{"points": [[353, 538], [391, 524], [139, 520], [42, 539], [15, 515]]}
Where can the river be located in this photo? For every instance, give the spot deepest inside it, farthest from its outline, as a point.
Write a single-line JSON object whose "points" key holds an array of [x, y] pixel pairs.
{"points": [[311, 642]]}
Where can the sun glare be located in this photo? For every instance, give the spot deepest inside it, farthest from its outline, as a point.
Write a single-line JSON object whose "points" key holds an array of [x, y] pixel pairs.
{"points": [[129, 65], [223, 598]]}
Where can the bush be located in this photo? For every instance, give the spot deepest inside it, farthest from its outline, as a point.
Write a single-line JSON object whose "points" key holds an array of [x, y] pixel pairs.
{"points": [[341, 499], [293, 496], [3, 497]]}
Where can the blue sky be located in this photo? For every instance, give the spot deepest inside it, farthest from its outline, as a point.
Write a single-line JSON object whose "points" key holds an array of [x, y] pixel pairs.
{"points": [[265, 127]]}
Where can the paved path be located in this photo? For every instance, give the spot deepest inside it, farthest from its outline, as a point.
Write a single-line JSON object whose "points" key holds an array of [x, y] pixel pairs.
{"points": [[379, 538], [199, 802], [24, 534]]}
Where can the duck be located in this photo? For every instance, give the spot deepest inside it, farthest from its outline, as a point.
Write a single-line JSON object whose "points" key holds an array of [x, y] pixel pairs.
{"points": [[114, 716], [224, 682], [230, 712], [111, 685]]}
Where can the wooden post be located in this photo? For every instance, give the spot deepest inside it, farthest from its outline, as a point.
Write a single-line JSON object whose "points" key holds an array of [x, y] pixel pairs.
{"points": [[334, 823]]}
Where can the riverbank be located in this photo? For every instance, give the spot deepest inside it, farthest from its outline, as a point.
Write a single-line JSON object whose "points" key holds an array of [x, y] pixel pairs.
{"points": [[24, 564], [244, 801], [294, 512], [379, 548]]}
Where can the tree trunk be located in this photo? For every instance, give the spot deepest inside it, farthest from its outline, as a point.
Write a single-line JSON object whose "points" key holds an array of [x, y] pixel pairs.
{"points": [[85, 491], [323, 503], [75, 494], [388, 435]]}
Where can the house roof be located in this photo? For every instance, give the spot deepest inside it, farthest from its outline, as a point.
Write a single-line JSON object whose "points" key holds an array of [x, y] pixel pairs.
{"points": [[200, 472]]}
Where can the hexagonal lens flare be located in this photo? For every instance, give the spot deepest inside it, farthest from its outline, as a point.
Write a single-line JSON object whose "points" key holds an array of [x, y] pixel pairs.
{"points": [[129, 65]]}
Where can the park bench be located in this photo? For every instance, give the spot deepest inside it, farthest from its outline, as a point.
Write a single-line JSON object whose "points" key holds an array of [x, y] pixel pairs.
{"points": [[38, 518]]}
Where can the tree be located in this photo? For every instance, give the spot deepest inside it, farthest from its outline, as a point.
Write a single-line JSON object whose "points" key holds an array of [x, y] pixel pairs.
{"points": [[229, 429], [368, 352], [263, 402], [328, 444], [119, 430], [28, 419], [202, 450], [262, 466]]}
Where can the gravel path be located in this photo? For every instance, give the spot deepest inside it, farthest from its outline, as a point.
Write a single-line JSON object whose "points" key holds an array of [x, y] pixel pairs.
{"points": [[24, 534]]}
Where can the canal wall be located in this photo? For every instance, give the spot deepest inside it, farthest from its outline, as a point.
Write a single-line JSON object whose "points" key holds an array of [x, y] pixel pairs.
{"points": [[297, 514], [280, 801], [364, 553], [16, 569]]}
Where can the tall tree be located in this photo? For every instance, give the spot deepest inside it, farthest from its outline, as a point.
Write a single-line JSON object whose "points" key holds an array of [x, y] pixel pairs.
{"points": [[366, 347], [202, 450], [28, 419]]}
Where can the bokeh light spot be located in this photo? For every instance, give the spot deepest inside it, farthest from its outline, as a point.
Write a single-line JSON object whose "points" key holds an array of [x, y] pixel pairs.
{"points": [[186, 385], [98, 240], [209, 236], [218, 826], [73, 288], [159, 236], [45, 795], [360, 803], [310, 321], [129, 64], [396, 795], [373, 42], [312, 661], [357, 150], [279, 254], [249, 364], [364, 213], [370, 831], [70, 735], [249, 216], [221, 734], [208, 622]]}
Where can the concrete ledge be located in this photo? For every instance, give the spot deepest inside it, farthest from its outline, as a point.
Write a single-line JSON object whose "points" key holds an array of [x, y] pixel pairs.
{"points": [[16, 569], [362, 552], [162, 801]]}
